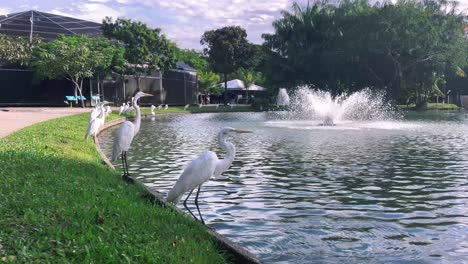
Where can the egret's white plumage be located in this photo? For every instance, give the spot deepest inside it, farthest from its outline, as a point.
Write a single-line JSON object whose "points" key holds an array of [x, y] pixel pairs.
{"points": [[122, 108], [108, 110], [96, 123], [126, 132], [186, 106], [203, 168], [166, 107], [200, 105], [159, 107], [152, 109]]}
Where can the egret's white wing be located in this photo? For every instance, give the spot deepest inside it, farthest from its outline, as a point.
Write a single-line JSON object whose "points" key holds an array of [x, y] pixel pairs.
{"points": [[197, 172], [123, 138], [93, 128]]}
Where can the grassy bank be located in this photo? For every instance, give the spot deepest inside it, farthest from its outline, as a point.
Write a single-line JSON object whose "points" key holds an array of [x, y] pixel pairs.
{"points": [[60, 203], [431, 106]]}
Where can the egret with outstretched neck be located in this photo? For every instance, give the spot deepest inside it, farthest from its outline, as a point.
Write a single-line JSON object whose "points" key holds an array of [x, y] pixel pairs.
{"points": [[202, 169], [126, 132]]}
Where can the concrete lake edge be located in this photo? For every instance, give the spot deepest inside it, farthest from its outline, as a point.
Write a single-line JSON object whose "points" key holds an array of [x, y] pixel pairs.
{"points": [[241, 254]]}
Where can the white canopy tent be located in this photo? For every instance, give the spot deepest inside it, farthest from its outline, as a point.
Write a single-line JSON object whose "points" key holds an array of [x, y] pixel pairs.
{"points": [[235, 84], [254, 87]]}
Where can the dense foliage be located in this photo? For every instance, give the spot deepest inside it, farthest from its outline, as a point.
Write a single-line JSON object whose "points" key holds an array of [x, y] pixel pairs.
{"points": [[16, 50], [146, 49], [405, 48], [227, 49], [76, 58]]}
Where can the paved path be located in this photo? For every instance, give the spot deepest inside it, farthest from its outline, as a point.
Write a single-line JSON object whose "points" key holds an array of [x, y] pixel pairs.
{"points": [[16, 118]]}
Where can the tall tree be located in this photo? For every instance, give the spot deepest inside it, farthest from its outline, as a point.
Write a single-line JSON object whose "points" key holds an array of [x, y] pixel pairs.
{"points": [[146, 49], [16, 50], [227, 49], [193, 58], [73, 58], [209, 83]]}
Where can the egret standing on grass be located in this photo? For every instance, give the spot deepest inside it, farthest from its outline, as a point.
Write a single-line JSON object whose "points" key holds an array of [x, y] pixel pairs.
{"points": [[152, 109], [126, 132], [95, 122], [202, 169]]}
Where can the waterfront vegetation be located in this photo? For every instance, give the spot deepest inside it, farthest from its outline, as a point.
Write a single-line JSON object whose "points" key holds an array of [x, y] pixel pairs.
{"points": [[60, 203], [431, 106]]}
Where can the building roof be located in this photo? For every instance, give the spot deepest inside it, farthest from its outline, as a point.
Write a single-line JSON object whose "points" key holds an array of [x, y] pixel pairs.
{"points": [[46, 26], [235, 84], [180, 65]]}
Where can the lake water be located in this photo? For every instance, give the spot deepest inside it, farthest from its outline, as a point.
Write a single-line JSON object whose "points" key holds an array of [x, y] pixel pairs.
{"points": [[359, 192]]}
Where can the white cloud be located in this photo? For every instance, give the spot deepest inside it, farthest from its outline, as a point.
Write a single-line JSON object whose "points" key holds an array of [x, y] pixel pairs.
{"points": [[88, 11], [5, 10]]}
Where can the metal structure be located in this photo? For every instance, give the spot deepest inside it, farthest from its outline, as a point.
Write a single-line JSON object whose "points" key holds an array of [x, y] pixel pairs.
{"points": [[31, 24], [21, 87]]}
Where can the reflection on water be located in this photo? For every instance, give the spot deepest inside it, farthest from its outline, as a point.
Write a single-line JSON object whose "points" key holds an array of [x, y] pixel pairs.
{"points": [[358, 192]]}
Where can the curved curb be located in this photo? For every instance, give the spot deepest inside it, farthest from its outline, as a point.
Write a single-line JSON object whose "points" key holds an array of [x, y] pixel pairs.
{"points": [[241, 254]]}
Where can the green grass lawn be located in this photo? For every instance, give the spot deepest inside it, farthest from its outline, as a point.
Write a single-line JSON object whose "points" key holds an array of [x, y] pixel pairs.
{"points": [[59, 203], [431, 106]]}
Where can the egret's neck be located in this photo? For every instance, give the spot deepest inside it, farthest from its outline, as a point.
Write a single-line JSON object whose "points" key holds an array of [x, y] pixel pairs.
{"points": [[229, 148], [137, 121]]}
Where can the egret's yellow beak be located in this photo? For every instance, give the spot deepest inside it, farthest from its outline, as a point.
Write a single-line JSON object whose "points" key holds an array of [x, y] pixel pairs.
{"points": [[146, 94], [242, 131]]}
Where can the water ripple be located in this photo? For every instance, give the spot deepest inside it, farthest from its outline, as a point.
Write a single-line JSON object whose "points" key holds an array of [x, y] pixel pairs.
{"points": [[395, 192]]}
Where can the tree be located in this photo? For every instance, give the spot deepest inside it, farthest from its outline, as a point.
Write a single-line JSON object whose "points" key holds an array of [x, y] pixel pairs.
{"points": [[73, 58], [249, 77], [193, 58], [209, 83], [349, 45], [227, 49], [146, 49], [16, 50]]}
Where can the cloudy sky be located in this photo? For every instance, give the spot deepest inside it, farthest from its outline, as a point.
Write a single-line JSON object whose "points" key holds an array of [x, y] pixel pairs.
{"points": [[183, 21]]}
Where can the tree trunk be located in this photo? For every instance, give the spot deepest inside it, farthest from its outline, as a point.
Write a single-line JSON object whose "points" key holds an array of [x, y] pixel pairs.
{"points": [[81, 93], [225, 90], [137, 79]]}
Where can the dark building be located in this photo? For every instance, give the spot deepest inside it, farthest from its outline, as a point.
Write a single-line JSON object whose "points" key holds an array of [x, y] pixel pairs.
{"points": [[20, 87]]}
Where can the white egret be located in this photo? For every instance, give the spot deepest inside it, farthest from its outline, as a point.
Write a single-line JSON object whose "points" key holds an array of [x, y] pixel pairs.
{"points": [[200, 105], [186, 106], [96, 123], [152, 109], [166, 107], [159, 107], [122, 108], [126, 132], [108, 110], [202, 169]]}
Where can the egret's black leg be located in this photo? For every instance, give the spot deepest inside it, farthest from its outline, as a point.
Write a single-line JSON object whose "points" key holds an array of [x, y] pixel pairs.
{"points": [[123, 163], [186, 207], [196, 204], [126, 164]]}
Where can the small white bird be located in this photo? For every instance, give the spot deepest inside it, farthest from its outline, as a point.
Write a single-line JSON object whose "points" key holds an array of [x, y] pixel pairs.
{"points": [[166, 107], [95, 124], [108, 111], [126, 132], [152, 109], [159, 107], [202, 169], [200, 105], [217, 106], [122, 108], [186, 106]]}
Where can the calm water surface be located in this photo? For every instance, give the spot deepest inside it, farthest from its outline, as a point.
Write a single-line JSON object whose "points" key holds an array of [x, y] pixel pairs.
{"points": [[362, 192]]}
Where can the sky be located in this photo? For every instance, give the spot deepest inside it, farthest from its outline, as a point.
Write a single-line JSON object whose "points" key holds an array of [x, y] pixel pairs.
{"points": [[182, 21]]}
